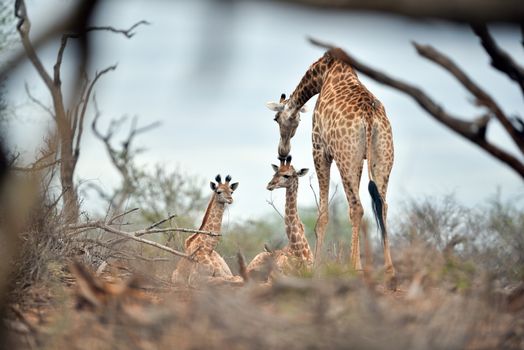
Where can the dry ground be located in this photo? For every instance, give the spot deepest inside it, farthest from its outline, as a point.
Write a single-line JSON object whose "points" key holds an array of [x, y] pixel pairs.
{"points": [[433, 309]]}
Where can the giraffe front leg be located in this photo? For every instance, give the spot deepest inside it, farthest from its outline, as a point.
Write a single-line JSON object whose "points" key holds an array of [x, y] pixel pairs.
{"points": [[322, 167]]}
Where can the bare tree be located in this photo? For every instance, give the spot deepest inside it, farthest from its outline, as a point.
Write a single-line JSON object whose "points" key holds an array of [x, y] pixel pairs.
{"points": [[69, 121], [474, 129]]}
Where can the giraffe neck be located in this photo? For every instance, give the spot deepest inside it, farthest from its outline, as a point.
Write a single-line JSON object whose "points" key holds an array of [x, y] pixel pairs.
{"points": [[298, 243], [212, 222], [311, 82], [333, 62]]}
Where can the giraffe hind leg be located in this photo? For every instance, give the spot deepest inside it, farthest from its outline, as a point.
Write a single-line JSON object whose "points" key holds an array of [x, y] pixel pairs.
{"points": [[382, 162]]}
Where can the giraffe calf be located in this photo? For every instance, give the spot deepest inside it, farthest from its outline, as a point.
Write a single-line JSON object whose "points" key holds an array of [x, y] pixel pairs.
{"points": [[206, 264], [296, 254]]}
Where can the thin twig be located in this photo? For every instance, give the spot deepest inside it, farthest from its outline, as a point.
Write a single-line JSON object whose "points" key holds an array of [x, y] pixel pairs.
{"points": [[272, 204], [128, 33], [174, 229], [38, 102], [110, 222], [314, 192], [161, 221]]}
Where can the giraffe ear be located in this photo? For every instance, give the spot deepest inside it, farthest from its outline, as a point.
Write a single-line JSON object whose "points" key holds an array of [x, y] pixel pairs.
{"points": [[234, 186], [304, 109], [275, 106], [213, 186], [302, 172], [275, 168]]}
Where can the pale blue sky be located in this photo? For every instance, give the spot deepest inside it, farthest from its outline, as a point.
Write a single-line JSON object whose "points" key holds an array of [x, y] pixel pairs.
{"points": [[206, 71]]}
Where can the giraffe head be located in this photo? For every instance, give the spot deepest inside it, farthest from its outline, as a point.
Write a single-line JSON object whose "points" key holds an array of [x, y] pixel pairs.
{"points": [[285, 175], [223, 191], [288, 118]]}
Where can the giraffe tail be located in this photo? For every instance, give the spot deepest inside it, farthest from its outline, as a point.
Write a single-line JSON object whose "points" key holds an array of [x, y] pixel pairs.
{"points": [[377, 204]]}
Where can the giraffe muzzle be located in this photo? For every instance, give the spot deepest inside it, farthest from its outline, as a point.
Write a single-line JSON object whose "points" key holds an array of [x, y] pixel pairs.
{"points": [[284, 148]]}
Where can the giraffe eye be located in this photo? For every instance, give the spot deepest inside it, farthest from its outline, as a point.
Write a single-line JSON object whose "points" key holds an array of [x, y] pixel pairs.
{"points": [[286, 176]]}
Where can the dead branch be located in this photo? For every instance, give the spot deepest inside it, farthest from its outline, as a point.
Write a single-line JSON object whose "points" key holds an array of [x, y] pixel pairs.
{"points": [[470, 130], [38, 102], [76, 229], [128, 33], [466, 11], [314, 192], [128, 235], [120, 158], [79, 117], [123, 255], [176, 229], [500, 59], [158, 223], [36, 166], [110, 222]]}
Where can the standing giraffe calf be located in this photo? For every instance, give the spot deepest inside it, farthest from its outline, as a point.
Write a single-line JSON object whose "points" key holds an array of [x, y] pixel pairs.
{"points": [[297, 253], [207, 265], [349, 125]]}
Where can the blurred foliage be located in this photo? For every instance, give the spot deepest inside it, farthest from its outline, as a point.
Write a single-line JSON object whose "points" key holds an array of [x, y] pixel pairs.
{"points": [[487, 238], [162, 192]]}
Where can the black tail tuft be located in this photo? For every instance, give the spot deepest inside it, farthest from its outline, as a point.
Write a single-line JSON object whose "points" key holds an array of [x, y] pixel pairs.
{"points": [[376, 202]]}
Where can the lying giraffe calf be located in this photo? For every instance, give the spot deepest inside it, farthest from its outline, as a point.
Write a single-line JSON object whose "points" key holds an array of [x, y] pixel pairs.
{"points": [[297, 253], [207, 265]]}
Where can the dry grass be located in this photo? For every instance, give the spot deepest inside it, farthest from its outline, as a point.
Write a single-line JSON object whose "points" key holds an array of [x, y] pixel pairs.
{"points": [[326, 311]]}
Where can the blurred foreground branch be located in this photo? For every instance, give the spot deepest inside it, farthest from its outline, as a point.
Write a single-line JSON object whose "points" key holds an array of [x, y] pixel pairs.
{"points": [[466, 11]]}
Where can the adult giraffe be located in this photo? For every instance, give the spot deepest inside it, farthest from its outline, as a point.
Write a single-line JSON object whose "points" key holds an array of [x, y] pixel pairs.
{"points": [[349, 125]]}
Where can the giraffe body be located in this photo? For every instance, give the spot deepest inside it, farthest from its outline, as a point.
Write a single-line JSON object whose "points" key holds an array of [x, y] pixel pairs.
{"points": [[296, 254], [206, 264], [349, 126]]}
